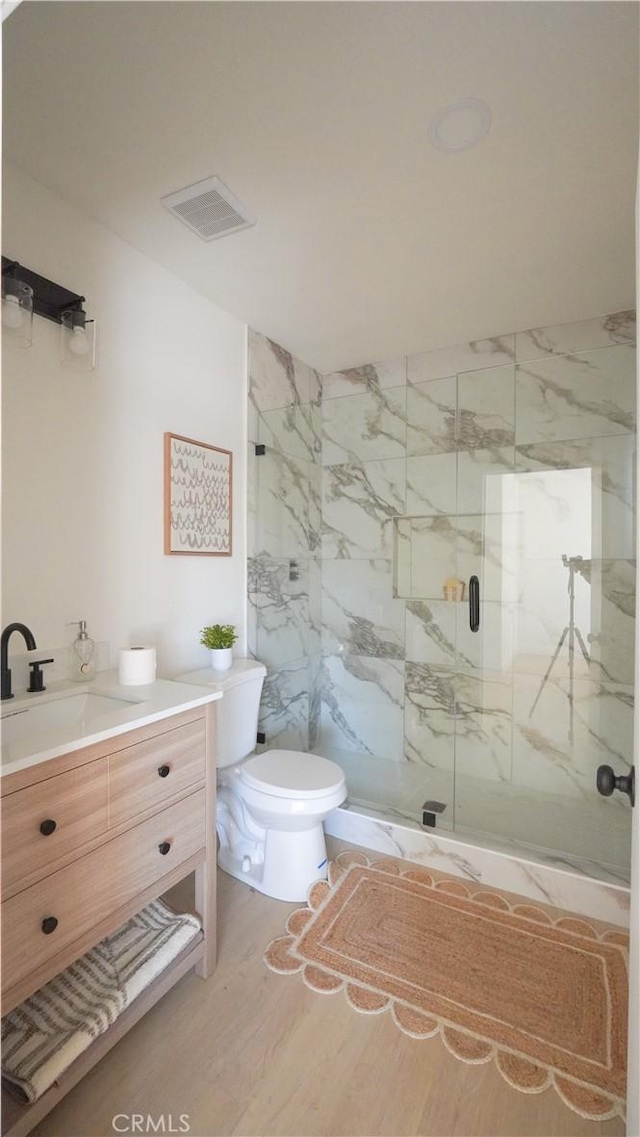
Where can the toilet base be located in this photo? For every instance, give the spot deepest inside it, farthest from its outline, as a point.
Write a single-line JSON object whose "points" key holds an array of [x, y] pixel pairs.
{"points": [[292, 862]]}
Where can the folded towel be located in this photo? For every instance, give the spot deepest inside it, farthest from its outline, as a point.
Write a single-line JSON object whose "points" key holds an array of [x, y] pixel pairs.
{"points": [[44, 1035]]}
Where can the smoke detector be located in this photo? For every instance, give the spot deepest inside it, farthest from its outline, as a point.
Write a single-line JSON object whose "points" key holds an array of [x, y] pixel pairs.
{"points": [[209, 209], [460, 126]]}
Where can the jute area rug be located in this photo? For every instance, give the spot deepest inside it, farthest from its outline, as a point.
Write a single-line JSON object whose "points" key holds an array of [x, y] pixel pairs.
{"points": [[545, 1000]]}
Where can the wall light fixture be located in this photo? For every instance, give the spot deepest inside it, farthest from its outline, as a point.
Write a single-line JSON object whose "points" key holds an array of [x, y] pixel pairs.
{"points": [[17, 306], [25, 292], [77, 339]]}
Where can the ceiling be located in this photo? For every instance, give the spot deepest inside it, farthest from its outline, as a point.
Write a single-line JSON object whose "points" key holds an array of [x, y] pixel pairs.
{"points": [[370, 242]]}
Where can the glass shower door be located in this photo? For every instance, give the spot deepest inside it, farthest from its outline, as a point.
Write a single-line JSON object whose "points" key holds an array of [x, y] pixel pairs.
{"points": [[544, 688]]}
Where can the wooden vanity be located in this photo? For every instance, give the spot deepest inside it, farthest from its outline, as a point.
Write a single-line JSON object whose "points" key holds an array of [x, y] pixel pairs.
{"points": [[88, 839]]}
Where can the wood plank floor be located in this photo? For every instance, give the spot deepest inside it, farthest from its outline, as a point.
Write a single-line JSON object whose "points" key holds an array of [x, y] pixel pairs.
{"points": [[251, 1053]]}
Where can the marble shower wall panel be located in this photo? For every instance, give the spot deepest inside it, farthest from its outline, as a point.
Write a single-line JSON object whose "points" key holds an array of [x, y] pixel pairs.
{"points": [[589, 395], [431, 485], [281, 607], [432, 417], [277, 378], [272, 378], [611, 461], [284, 535], [583, 335], [371, 377], [486, 409], [462, 716], [283, 506], [315, 607], [315, 697], [360, 502], [438, 632], [429, 726], [475, 356], [360, 614], [363, 705], [430, 632], [284, 708], [481, 478], [483, 724], [368, 426], [252, 522], [252, 625], [612, 644], [490, 546], [546, 758], [494, 648], [315, 509], [291, 430]]}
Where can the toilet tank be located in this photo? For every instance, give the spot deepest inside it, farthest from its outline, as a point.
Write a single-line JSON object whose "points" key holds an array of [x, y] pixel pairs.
{"points": [[237, 710]]}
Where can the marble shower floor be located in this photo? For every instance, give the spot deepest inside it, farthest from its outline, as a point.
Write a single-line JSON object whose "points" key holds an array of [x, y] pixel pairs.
{"points": [[586, 836]]}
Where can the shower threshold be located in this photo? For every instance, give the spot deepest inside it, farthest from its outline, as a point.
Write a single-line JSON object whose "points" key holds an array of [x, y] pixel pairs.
{"points": [[572, 834]]}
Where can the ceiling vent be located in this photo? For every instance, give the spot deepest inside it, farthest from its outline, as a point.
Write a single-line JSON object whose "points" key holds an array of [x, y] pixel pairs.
{"points": [[209, 209]]}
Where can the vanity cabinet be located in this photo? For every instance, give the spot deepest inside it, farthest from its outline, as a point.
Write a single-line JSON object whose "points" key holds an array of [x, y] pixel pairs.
{"points": [[89, 838]]}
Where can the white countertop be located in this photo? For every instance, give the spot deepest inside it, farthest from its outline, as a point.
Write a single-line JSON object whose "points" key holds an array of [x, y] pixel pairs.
{"points": [[147, 703]]}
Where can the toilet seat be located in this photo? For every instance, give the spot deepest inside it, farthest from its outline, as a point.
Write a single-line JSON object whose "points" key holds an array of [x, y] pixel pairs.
{"points": [[291, 774]]}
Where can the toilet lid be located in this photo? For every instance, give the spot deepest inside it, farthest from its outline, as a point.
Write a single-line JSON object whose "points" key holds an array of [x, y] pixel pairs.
{"points": [[291, 773]]}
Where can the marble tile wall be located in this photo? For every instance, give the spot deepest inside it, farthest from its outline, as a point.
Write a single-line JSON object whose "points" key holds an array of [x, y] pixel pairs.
{"points": [[499, 458], [284, 523], [496, 458]]}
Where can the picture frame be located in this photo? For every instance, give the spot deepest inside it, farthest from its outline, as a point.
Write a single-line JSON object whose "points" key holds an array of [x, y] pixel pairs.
{"points": [[198, 492]]}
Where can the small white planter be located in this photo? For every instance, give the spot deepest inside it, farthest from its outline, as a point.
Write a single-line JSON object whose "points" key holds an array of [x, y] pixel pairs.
{"points": [[221, 658]]}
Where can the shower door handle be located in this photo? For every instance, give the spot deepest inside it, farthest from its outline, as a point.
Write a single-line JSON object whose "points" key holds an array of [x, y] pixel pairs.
{"points": [[474, 603], [607, 781]]}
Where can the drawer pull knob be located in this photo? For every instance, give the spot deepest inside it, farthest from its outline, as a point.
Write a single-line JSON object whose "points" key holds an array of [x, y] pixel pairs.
{"points": [[49, 925], [164, 771], [164, 848], [48, 827]]}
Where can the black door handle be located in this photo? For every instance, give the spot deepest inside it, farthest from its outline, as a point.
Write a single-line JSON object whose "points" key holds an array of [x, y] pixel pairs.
{"points": [[474, 603], [48, 827], [607, 781], [49, 925]]}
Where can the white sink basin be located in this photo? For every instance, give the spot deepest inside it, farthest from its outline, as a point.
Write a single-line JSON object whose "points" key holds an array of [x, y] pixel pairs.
{"points": [[83, 710]]}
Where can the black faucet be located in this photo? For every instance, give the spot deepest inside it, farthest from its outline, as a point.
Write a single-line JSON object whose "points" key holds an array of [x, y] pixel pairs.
{"points": [[5, 689]]}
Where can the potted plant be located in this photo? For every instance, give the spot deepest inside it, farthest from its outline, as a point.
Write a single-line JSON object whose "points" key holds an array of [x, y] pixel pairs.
{"points": [[219, 638]]}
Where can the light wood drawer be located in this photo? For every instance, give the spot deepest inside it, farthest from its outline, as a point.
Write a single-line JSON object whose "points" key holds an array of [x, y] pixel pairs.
{"points": [[82, 895], [151, 772], [50, 819]]}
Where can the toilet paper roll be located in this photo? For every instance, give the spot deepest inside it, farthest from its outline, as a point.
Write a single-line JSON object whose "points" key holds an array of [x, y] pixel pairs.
{"points": [[137, 665]]}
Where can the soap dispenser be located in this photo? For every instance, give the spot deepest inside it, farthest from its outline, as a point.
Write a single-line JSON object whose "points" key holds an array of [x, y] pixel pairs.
{"points": [[83, 645]]}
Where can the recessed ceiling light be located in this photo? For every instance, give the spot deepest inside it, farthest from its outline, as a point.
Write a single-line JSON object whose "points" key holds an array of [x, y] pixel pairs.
{"points": [[461, 125]]}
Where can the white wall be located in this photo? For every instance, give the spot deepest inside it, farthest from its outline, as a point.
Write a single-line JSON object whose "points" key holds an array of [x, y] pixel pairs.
{"points": [[83, 455]]}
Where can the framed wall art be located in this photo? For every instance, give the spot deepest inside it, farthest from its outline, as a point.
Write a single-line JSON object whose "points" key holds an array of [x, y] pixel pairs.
{"points": [[197, 498]]}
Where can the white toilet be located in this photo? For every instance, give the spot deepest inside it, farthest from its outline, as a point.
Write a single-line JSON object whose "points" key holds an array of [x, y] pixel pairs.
{"points": [[270, 806]]}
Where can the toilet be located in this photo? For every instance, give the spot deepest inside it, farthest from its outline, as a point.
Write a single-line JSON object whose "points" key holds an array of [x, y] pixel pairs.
{"points": [[270, 806]]}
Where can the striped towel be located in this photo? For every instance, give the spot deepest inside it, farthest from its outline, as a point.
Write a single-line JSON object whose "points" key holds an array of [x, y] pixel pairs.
{"points": [[44, 1035]]}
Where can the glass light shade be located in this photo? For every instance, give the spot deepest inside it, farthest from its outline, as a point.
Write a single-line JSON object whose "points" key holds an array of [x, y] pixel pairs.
{"points": [[17, 312], [78, 340]]}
